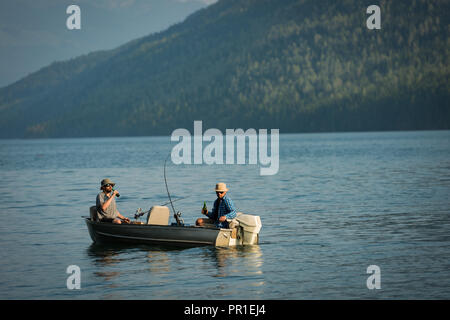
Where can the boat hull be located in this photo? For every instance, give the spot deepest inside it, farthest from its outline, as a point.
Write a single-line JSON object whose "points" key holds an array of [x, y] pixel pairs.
{"points": [[102, 232]]}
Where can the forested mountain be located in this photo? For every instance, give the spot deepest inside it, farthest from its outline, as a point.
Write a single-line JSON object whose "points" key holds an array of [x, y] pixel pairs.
{"points": [[296, 65]]}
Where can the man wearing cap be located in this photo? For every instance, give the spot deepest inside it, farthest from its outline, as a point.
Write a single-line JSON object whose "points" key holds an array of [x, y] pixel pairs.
{"points": [[223, 209], [106, 204]]}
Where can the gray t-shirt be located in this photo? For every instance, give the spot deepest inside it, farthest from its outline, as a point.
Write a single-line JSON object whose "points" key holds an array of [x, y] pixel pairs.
{"points": [[110, 212]]}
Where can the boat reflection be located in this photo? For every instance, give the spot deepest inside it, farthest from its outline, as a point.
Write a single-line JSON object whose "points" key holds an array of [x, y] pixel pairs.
{"points": [[241, 260], [155, 270], [158, 262], [106, 256]]}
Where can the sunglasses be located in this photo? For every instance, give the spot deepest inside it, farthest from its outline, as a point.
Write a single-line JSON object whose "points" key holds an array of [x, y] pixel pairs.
{"points": [[107, 185], [220, 192]]}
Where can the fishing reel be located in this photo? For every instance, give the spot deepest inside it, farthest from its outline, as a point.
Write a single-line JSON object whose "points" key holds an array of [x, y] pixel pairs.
{"points": [[178, 218], [139, 213]]}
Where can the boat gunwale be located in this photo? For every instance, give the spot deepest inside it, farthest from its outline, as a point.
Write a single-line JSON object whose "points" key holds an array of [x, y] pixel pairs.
{"points": [[171, 226]]}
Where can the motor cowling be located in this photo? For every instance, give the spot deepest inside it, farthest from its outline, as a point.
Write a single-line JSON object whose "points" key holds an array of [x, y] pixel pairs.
{"points": [[249, 227]]}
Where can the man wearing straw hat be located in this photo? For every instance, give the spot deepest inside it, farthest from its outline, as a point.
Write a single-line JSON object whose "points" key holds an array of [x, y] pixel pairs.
{"points": [[223, 209], [106, 204]]}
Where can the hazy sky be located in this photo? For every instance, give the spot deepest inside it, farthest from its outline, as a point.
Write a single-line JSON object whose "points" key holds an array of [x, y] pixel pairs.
{"points": [[33, 33]]}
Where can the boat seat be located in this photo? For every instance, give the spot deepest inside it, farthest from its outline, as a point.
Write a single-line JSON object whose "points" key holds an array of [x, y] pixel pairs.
{"points": [[159, 215], [93, 213]]}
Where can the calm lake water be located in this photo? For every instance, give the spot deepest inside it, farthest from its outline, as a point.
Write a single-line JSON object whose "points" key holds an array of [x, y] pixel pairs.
{"points": [[339, 203]]}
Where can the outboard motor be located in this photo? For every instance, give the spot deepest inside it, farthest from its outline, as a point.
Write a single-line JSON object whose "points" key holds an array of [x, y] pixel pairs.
{"points": [[248, 228]]}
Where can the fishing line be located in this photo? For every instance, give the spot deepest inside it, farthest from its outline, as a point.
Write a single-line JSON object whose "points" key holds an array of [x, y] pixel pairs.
{"points": [[175, 214]]}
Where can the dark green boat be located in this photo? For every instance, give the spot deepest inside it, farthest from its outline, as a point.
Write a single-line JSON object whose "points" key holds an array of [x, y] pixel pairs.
{"points": [[245, 231]]}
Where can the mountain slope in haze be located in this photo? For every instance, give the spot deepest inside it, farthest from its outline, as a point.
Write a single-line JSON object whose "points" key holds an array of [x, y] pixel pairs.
{"points": [[296, 65]]}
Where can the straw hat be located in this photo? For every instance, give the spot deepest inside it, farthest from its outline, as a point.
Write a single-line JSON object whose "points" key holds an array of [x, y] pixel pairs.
{"points": [[221, 187]]}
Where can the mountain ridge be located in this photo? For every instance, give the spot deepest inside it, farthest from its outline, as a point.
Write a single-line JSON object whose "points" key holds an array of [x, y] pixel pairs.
{"points": [[296, 65]]}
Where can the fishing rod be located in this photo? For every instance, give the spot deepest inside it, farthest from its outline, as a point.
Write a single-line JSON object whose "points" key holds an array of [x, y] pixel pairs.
{"points": [[164, 204], [140, 213], [176, 215]]}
